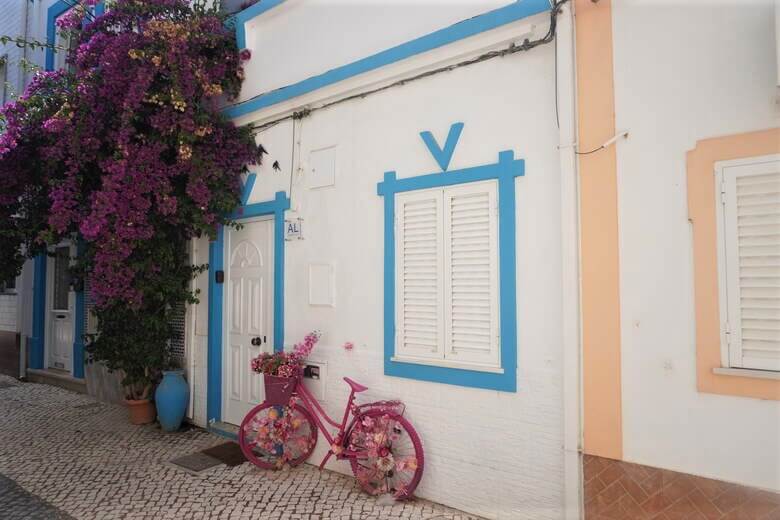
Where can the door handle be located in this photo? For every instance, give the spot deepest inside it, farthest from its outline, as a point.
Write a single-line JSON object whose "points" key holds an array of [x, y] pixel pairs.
{"points": [[257, 341]]}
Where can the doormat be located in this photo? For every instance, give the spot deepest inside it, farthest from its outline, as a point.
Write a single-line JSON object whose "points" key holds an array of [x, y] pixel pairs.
{"points": [[196, 462], [229, 453]]}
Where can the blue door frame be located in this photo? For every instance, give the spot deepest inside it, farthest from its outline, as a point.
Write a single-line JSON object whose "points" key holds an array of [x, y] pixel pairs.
{"points": [[275, 207], [38, 340]]}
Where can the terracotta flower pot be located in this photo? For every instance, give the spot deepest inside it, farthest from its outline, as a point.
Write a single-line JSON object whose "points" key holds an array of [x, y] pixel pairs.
{"points": [[141, 411]]}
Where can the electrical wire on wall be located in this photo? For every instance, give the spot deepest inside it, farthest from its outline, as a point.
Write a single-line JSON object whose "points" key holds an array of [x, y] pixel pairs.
{"points": [[513, 48], [296, 144]]}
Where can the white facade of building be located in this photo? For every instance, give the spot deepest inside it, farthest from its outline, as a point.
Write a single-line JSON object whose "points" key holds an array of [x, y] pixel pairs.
{"points": [[720, 82], [494, 453]]}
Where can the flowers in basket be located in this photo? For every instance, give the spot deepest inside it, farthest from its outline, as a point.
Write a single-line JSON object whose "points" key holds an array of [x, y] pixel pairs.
{"points": [[286, 364]]}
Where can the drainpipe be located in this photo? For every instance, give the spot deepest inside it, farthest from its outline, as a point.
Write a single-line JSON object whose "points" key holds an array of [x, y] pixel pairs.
{"points": [[570, 242]]}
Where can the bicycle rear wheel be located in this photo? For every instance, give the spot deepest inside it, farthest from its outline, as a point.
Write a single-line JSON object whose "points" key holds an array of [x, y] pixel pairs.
{"points": [[392, 456], [271, 436]]}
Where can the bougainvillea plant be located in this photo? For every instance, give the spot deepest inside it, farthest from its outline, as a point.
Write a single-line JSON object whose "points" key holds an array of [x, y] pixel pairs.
{"points": [[286, 364], [126, 152]]}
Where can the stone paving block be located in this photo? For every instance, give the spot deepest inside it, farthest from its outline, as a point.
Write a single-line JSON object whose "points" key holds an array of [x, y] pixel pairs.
{"points": [[65, 454]]}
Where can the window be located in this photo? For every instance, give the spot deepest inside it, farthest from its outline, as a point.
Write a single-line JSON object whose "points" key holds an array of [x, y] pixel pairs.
{"points": [[447, 276], [64, 44], [3, 79], [749, 262], [61, 294], [9, 286]]}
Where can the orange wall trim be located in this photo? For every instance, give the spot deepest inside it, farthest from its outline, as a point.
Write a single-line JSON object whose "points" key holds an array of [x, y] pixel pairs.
{"points": [[602, 421], [702, 214]]}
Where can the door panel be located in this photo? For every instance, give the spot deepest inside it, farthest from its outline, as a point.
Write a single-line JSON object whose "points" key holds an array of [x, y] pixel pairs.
{"points": [[60, 309], [249, 280]]}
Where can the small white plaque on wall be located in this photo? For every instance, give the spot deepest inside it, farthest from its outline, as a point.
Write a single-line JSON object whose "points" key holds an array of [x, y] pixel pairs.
{"points": [[323, 167], [293, 229], [321, 285]]}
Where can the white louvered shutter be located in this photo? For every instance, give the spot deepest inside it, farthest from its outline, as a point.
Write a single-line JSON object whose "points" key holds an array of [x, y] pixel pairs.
{"points": [[419, 275], [751, 205], [471, 273]]}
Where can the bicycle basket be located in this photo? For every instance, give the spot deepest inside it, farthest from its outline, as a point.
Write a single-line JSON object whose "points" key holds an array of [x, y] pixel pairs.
{"points": [[278, 390], [389, 407]]}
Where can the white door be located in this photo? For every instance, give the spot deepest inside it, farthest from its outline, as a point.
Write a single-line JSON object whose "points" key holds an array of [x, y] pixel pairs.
{"points": [[248, 316], [60, 310]]}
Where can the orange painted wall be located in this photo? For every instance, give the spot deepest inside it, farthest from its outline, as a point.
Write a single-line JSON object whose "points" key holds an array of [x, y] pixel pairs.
{"points": [[602, 421]]}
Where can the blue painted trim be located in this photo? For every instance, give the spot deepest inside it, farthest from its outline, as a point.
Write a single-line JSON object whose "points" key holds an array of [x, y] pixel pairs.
{"points": [[78, 326], [214, 353], [443, 156], [56, 10], [505, 170], [246, 191], [275, 207], [247, 14], [464, 29], [39, 312]]}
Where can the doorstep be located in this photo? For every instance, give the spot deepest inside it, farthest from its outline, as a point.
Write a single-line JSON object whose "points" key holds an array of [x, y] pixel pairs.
{"points": [[54, 377], [224, 429]]}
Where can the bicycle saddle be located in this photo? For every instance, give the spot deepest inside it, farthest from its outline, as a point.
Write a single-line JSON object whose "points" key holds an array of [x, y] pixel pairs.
{"points": [[356, 387]]}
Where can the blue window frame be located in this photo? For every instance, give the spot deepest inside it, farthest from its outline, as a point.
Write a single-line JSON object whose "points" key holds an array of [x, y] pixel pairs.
{"points": [[56, 10], [505, 170]]}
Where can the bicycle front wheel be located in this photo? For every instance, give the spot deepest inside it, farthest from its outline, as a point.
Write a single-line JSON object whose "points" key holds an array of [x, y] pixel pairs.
{"points": [[271, 436], [390, 457]]}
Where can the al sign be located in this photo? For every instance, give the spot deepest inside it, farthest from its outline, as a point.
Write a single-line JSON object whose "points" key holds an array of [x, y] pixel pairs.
{"points": [[293, 230]]}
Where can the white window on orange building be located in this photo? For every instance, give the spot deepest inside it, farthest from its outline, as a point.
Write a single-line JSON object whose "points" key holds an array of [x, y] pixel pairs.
{"points": [[748, 206]]}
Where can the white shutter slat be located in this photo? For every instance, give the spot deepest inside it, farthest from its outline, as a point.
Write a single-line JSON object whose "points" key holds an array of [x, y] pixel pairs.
{"points": [[471, 273], [752, 250], [419, 284]]}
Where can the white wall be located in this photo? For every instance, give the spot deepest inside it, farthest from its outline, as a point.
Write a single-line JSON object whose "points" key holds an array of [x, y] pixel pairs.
{"points": [[12, 24], [8, 312], [303, 38], [684, 71], [493, 453]]}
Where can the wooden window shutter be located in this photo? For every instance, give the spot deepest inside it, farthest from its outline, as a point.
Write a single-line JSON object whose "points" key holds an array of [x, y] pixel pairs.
{"points": [[419, 275], [471, 273], [751, 218]]}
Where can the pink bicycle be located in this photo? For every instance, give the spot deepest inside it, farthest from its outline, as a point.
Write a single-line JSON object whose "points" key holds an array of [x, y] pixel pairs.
{"points": [[383, 448]]}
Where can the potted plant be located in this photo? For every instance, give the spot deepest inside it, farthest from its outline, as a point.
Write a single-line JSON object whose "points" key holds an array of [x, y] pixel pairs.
{"points": [[134, 343]]}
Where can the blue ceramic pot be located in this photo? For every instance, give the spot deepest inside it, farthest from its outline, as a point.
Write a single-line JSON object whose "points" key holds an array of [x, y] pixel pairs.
{"points": [[171, 398]]}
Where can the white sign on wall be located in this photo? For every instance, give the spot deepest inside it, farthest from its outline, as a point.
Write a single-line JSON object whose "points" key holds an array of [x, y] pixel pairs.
{"points": [[293, 229]]}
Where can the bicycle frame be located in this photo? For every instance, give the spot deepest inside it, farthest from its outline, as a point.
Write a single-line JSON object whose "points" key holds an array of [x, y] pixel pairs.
{"points": [[313, 406]]}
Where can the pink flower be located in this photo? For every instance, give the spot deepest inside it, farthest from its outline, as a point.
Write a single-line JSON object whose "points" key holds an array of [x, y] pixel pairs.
{"points": [[349, 345]]}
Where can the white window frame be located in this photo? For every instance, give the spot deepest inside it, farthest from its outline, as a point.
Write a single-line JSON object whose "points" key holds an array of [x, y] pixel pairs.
{"points": [[444, 356], [730, 336]]}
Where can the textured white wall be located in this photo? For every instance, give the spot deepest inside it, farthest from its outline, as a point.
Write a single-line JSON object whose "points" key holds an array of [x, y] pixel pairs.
{"points": [[684, 71], [12, 24], [8, 312], [493, 453], [304, 38], [15, 314]]}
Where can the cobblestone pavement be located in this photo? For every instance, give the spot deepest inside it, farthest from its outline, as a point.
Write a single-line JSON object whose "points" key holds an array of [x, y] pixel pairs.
{"points": [[64, 455]]}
